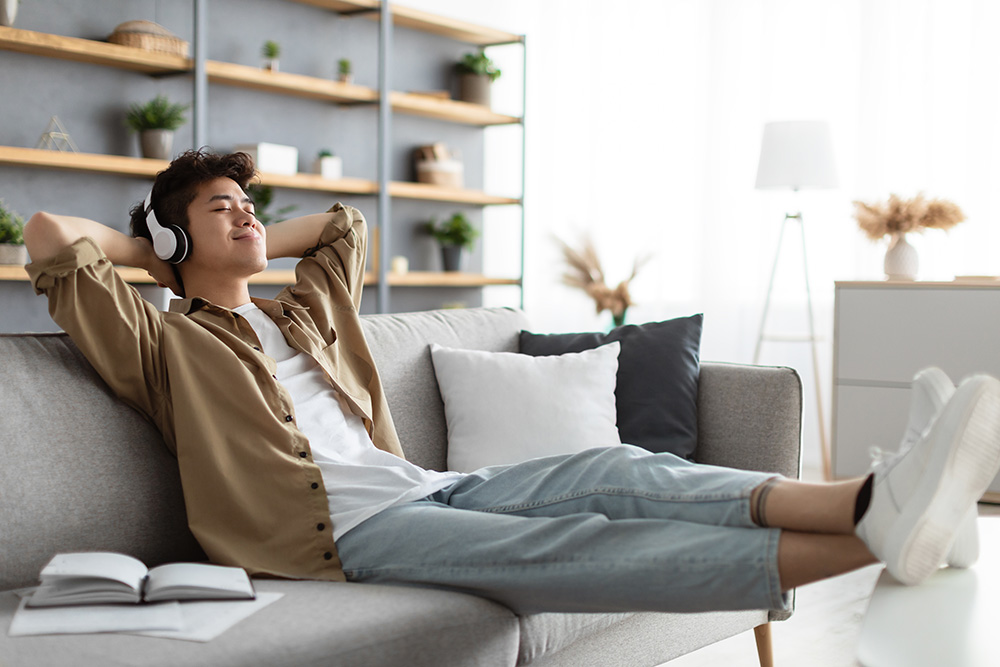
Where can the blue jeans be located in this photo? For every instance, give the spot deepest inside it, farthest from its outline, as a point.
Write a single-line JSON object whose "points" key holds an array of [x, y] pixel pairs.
{"points": [[606, 530]]}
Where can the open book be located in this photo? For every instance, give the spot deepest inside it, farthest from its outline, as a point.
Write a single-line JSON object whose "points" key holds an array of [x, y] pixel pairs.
{"points": [[105, 577]]}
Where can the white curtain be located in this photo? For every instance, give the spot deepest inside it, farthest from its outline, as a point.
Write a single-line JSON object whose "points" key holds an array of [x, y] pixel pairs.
{"points": [[644, 121]]}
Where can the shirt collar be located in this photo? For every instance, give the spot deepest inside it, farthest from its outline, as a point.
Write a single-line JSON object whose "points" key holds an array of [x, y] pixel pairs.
{"points": [[269, 306]]}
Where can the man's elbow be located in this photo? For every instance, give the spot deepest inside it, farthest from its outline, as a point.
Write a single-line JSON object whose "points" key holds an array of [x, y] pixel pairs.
{"points": [[44, 236]]}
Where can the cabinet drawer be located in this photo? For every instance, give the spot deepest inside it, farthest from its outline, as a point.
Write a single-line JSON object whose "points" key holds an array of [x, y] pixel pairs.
{"points": [[866, 417], [885, 335]]}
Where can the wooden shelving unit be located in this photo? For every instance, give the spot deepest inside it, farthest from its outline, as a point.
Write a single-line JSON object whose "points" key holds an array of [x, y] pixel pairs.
{"points": [[105, 54]]}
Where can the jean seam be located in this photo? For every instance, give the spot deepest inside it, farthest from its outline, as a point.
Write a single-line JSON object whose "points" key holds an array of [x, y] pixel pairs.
{"points": [[611, 491]]}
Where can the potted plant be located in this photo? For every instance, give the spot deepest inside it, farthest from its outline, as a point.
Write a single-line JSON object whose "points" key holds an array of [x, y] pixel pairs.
{"points": [[155, 121], [345, 71], [897, 217], [271, 51], [8, 12], [329, 165], [454, 234], [476, 72], [12, 250]]}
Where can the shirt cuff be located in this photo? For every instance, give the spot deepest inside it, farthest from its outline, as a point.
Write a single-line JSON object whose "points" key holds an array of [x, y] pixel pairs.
{"points": [[339, 226], [80, 253]]}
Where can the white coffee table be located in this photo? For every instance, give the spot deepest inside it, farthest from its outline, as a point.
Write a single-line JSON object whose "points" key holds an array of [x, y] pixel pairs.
{"points": [[951, 619]]}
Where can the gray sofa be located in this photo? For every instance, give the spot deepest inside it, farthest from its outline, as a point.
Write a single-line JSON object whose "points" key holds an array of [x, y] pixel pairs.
{"points": [[81, 471]]}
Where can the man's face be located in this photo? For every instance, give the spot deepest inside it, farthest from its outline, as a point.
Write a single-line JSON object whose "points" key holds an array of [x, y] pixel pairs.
{"points": [[225, 235]]}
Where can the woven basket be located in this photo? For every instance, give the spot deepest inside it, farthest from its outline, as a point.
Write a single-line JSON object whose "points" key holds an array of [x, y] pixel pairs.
{"points": [[149, 36]]}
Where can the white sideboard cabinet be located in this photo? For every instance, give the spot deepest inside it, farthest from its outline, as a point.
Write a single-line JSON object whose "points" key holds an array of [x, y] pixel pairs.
{"points": [[884, 332]]}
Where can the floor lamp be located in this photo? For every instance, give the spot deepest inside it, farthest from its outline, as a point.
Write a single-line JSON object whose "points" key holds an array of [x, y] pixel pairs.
{"points": [[794, 155]]}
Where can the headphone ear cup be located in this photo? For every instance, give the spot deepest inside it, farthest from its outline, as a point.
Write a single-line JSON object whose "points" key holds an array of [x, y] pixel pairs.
{"points": [[172, 244]]}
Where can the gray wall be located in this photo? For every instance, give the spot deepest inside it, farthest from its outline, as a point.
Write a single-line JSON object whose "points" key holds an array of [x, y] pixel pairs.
{"points": [[91, 101]]}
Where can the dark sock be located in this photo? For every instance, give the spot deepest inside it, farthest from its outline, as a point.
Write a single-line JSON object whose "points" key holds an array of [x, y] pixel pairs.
{"points": [[864, 499]]}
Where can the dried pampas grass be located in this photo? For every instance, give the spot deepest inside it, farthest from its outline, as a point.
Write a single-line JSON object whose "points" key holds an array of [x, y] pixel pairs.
{"points": [[900, 216], [584, 272]]}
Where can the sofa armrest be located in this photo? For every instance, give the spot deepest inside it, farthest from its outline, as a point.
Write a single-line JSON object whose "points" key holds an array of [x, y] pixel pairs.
{"points": [[750, 417]]}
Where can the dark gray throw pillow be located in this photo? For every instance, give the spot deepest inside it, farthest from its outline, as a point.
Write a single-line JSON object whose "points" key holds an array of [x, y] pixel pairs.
{"points": [[657, 389]]}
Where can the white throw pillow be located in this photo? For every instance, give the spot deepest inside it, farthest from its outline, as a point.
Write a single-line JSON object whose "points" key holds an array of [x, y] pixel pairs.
{"points": [[504, 407]]}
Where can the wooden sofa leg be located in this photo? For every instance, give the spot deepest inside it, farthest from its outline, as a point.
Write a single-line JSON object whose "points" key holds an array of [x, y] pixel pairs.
{"points": [[763, 635]]}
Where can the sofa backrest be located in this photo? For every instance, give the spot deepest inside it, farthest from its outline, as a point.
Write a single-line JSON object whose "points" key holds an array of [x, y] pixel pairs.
{"points": [[79, 470]]}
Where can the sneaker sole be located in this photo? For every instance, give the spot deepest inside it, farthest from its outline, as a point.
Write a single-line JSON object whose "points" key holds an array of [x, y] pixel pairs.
{"points": [[969, 466]]}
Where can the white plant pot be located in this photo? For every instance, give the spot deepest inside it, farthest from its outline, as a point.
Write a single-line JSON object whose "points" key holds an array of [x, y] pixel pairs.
{"points": [[329, 167], [157, 144], [901, 260], [8, 12], [11, 253]]}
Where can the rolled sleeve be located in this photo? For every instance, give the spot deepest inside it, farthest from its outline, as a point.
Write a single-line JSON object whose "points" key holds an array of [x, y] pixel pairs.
{"points": [[117, 330], [43, 274], [342, 250]]}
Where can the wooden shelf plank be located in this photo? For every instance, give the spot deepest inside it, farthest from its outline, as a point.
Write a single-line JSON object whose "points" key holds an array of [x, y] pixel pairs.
{"points": [[417, 19], [286, 83], [316, 183], [445, 279], [145, 168], [462, 31], [108, 164], [424, 191], [446, 109], [16, 273], [91, 51]]}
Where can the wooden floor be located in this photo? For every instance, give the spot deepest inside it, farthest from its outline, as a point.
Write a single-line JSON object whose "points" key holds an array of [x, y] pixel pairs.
{"points": [[823, 631]]}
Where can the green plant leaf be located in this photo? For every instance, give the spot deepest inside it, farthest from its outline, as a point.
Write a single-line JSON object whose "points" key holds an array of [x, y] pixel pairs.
{"points": [[157, 114]]}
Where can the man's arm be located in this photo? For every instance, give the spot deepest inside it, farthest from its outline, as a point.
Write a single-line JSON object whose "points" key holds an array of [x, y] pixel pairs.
{"points": [[46, 234], [292, 238]]}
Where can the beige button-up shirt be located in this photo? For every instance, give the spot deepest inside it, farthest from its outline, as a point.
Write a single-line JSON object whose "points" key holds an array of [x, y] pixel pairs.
{"points": [[254, 497]]}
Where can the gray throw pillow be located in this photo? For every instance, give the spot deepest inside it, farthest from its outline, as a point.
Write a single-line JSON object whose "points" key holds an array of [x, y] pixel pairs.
{"points": [[657, 390]]}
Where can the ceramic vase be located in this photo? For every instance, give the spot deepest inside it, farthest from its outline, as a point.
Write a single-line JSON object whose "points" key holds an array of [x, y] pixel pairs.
{"points": [[157, 144], [901, 261], [8, 12]]}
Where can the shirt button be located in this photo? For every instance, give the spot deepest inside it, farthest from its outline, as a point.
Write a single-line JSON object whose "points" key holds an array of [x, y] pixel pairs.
{"points": [[327, 556], [315, 485], [288, 418], [320, 526], [256, 348], [303, 454]]}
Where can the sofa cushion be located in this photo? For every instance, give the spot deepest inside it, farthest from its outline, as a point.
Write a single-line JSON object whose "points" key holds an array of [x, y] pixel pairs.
{"points": [[399, 345], [315, 623], [503, 407], [657, 379], [95, 452]]}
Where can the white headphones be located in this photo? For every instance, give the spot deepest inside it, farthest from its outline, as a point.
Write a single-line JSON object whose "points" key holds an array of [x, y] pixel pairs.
{"points": [[170, 243]]}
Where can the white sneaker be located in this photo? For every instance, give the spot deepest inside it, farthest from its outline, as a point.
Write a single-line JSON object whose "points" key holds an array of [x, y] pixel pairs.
{"points": [[931, 389], [921, 495]]}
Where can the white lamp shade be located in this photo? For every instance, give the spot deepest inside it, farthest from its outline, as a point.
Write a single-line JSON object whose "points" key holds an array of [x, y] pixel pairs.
{"points": [[796, 154]]}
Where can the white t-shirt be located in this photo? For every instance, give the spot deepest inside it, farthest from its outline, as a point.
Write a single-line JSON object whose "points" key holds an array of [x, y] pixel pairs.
{"points": [[361, 480]]}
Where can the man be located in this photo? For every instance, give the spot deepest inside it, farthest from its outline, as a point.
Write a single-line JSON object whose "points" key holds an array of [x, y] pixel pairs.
{"points": [[291, 466]]}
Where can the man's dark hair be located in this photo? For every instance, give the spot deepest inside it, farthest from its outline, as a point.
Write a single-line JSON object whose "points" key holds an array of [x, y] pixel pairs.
{"points": [[176, 187]]}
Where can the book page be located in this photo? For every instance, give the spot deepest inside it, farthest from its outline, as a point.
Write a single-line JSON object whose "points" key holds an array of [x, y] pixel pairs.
{"points": [[118, 567], [197, 580]]}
